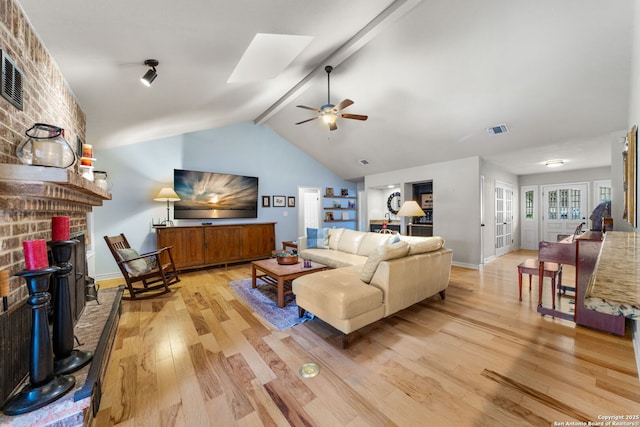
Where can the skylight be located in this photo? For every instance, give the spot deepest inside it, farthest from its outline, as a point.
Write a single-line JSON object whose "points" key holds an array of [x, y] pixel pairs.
{"points": [[267, 56]]}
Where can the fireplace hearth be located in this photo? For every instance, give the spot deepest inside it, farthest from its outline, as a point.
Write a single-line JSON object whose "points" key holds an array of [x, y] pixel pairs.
{"points": [[95, 330]]}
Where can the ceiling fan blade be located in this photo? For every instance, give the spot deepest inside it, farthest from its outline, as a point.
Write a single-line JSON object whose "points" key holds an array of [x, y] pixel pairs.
{"points": [[309, 108], [354, 116], [333, 126], [308, 120], [344, 104]]}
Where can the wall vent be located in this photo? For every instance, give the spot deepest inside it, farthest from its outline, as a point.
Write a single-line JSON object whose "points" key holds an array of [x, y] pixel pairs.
{"points": [[498, 129], [11, 81]]}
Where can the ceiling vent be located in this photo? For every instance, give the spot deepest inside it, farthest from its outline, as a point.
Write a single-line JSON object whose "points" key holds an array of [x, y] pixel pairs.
{"points": [[363, 162], [498, 129], [11, 81]]}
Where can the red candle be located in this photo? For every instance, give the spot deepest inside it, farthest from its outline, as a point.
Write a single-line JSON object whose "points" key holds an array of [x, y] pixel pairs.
{"points": [[35, 254], [60, 228]]}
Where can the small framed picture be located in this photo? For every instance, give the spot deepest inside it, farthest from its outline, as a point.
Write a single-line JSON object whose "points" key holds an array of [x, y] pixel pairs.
{"points": [[291, 202], [329, 192], [344, 192], [266, 201], [279, 201], [426, 201]]}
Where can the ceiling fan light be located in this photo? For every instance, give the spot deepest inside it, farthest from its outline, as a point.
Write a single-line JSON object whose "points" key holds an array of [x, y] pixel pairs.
{"points": [[330, 118]]}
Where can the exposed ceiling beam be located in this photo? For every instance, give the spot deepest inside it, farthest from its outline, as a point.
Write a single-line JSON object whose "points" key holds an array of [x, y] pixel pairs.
{"points": [[377, 25]]}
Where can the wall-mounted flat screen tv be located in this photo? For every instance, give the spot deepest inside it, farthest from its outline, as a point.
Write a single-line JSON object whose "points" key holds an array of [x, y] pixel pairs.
{"points": [[205, 195]]}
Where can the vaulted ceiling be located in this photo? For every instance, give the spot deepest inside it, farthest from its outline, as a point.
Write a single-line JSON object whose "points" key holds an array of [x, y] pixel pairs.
{"points": [[431, 75]]}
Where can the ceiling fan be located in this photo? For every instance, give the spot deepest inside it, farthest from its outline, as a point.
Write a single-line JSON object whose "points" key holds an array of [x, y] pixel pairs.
{"points": [[329, 113]]}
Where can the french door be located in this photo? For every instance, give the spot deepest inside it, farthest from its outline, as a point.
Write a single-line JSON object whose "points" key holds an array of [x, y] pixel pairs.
{"points": [[504, 218], [565, 206]]}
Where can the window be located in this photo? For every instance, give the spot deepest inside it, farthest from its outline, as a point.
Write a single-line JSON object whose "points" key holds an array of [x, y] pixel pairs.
{"points": [[553, 204], [604, 194], [528, 205]]}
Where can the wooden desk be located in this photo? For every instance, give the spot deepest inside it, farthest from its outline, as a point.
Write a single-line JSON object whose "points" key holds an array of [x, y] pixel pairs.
{"points": [[583, 253]]}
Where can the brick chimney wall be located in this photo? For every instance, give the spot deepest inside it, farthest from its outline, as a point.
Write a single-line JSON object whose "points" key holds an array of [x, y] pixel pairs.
{"points": [[29, 200], [26, 210]]}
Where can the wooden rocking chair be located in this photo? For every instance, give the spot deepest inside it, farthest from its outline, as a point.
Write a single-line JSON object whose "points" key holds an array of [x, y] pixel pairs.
{"points": [[155, 270]]}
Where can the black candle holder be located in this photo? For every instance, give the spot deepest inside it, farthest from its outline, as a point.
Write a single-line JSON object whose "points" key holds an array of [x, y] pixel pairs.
{"points": [[67, 360], [44, 386]]}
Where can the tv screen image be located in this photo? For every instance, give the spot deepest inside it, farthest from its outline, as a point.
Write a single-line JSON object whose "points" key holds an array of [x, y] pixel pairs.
{"points": [[205, 195]]}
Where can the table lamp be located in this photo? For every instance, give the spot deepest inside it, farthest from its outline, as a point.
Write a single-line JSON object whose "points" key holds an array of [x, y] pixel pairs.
{"points": [[167, 195], [410, 208]]}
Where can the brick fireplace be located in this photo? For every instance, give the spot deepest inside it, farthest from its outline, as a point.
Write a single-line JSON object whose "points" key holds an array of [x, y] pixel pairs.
{"points": [[31, 195]]}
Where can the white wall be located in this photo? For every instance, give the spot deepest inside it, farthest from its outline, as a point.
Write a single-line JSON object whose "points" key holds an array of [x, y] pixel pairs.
{"points": [[377, 202], [633, 115], [456, 202], [589, 176], [493, 173], [140, 170]]}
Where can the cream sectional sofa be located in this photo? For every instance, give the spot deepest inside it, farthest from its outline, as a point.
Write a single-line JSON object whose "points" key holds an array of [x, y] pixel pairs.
{"points": [[373, 276]]}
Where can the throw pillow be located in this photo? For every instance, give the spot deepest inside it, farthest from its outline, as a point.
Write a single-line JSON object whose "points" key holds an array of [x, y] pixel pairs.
{"points": [[382, 253], [317, 238], [135, 267]]}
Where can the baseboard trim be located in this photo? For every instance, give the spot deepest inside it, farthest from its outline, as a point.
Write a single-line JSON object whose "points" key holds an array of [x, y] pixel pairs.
{"points": [[466, 265], [108, 276]]}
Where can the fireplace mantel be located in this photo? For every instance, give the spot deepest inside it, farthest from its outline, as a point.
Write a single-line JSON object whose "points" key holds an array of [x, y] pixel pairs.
{"points": [[35, 181]]}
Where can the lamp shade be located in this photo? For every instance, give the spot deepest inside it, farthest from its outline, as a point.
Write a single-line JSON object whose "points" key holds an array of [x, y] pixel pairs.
{"points": [[167, 195], [410, 208]]}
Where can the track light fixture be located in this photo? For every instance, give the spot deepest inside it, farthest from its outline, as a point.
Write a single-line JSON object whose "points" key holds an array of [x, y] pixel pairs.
{"points": [[151, 73]]}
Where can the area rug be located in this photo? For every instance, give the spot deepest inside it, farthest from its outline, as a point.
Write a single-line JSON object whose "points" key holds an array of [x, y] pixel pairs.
{"points": [[264, 301]]}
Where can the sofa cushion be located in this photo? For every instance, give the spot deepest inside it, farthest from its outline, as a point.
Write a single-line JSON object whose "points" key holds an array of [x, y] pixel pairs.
{"points": [[339, 292], [350, 241], [334, 237], [331, 258], [382, 253], [135, 267], [317, 237], [421, 245], [371, 241]]}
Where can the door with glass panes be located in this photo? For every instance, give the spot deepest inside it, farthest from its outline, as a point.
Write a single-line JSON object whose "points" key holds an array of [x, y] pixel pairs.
{"points": [[504, 218], [565, 206]]}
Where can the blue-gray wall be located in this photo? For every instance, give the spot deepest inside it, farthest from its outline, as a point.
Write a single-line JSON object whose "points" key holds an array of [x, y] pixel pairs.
{"points": [[140, 170]]}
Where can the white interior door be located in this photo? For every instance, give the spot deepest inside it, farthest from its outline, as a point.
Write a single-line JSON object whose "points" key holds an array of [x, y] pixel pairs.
{"points": [[504, 218], [310, 210], [530, 211], [565, 206]]}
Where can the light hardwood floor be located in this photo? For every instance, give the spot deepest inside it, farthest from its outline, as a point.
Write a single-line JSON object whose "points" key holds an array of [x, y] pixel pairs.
{"points": [[200, 357]]}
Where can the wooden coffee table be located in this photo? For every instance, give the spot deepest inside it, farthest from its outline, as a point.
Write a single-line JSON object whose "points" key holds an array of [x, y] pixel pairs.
{"points": [[276, 274]]}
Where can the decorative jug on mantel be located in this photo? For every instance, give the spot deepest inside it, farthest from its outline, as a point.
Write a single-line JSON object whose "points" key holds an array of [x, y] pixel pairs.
{"points": [[46, 146]]}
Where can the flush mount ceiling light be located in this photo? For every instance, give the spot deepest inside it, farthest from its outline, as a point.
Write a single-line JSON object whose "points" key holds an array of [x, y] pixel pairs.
{"points": [[151, 73], [554, 163]]}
